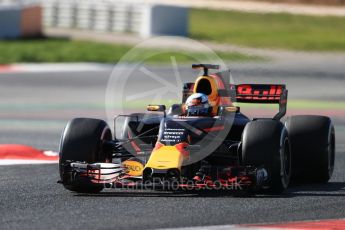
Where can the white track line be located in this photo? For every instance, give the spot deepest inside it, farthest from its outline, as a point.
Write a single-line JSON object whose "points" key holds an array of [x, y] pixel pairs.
{"points": [[26, 162]]}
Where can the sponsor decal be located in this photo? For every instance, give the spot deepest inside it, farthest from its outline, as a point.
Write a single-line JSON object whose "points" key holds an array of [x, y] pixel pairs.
{"points": [[259, 92], [172, 135], [133, 167]]}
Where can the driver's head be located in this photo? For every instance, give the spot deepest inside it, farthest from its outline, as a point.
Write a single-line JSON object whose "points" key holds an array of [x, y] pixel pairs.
{"points": [[197, 105]]}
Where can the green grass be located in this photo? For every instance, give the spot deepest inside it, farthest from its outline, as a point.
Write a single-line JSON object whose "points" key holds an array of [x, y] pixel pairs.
{"points": [[284, 31], [62, 50]]}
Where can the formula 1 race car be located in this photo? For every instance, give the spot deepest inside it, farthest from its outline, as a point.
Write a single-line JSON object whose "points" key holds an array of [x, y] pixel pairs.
{"points": [[226, 150]]}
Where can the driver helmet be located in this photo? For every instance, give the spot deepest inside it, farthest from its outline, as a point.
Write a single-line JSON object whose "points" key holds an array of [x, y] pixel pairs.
{"points": [[197, 105]]}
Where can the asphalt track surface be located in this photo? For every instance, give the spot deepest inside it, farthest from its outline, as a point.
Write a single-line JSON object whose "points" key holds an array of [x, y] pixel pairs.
{"points": [[35, 108]]}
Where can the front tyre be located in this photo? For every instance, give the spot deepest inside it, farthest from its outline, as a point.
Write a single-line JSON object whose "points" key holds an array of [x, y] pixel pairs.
{"points": [[82, 140], [265, 143]]}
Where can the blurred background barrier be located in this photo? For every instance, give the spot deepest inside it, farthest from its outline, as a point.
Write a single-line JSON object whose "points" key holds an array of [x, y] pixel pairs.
{"points": [[20, 21], [9, 22], [144, 19]]}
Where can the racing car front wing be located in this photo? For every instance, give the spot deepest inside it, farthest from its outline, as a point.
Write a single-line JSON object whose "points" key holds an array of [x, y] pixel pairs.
{"points": [[113, 175]]}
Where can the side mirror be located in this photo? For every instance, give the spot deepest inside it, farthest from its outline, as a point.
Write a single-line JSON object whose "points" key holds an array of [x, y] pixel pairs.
{"points": [[227, 110], [232, 109], [157, 108]]}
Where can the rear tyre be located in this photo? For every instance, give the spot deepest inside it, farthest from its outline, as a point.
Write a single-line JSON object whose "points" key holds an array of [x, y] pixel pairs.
{"points": [[313, 148], [82, 140], [265, 143]]}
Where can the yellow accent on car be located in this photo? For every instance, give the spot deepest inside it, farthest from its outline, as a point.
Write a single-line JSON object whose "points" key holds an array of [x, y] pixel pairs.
{"points": [[166, 157]]}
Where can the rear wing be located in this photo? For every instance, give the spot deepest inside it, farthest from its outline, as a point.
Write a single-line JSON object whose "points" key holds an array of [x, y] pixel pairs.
{"points": [[263, 94], [251, 93]]}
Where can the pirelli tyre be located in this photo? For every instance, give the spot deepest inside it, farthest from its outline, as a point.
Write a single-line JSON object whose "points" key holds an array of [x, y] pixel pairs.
{"points": [[265, 143], [312, 146], [82, 140]]}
